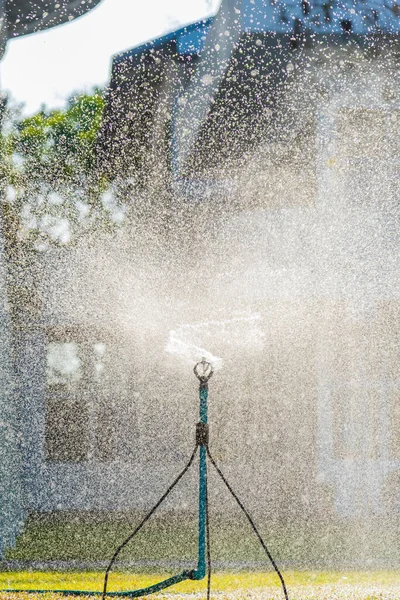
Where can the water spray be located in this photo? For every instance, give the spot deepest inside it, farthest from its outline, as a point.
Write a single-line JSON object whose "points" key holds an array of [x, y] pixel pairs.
{"points": [[203, 371]]}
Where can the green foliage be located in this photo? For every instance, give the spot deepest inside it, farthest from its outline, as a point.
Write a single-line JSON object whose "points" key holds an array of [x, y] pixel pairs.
{"points": [[49, 169], [58, 145]]}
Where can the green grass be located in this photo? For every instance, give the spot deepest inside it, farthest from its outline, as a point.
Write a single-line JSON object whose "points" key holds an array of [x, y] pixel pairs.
{"points": [[312, 546], [241, 584], [171, 537]]}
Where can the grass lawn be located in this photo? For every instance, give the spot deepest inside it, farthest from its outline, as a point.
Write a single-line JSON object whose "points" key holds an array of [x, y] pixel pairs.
{"points": [[312, 549], [311, 545], [302, 585]]}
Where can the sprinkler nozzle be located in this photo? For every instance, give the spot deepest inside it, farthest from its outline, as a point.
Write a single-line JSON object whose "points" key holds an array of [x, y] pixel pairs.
{"points": [[203, 370]]}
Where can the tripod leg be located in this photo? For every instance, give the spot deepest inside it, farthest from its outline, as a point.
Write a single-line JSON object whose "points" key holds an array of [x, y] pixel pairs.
{"points": [[147, 517], [251, 523]]}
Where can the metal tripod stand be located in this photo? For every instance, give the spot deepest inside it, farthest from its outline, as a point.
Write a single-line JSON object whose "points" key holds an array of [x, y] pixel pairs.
{"points": [[203, 371]]}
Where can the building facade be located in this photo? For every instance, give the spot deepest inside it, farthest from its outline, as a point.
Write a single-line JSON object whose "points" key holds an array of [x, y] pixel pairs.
{"points": [[285, 114]]}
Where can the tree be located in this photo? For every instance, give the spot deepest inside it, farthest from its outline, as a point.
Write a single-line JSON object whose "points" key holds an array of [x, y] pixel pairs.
{"points": [[53, 191]]}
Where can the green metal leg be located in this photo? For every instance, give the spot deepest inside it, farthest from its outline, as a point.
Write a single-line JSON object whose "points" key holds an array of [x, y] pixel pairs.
{"points": [[201, 570]]}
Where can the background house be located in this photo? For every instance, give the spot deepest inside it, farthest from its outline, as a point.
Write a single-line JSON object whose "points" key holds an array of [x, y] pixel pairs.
{"points": [[278, 123]]}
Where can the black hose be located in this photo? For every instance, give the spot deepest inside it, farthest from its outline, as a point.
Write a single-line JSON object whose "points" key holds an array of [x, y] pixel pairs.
{"points": [[251, 523], [147, 517]]}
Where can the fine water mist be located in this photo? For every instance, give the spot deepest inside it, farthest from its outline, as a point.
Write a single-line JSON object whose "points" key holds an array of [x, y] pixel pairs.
{"points": [[287, 280]]}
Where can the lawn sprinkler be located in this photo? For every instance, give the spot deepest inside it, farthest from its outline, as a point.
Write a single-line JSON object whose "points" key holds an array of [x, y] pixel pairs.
{"points": [[203, 371]]}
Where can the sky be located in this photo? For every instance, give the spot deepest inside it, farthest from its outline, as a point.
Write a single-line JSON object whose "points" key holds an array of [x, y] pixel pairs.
{"points": [[49, 66]]}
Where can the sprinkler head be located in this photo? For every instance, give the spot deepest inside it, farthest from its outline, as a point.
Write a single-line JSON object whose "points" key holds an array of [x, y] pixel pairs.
{"points": [[203, 370]]}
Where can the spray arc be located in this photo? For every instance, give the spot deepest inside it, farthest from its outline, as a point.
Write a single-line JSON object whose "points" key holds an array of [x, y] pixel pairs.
{"points": [[203, 371]]}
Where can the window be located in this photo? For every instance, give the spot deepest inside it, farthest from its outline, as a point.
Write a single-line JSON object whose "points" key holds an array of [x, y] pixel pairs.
{"points": [[366, 389], [357, 422], [80, 414], [361, 133], [367, 153], [66, 412]]}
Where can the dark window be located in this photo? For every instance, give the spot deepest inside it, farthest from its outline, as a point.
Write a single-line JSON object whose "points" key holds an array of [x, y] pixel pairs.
{"points": [[346, 25], [80, 419], [67, 435]]}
